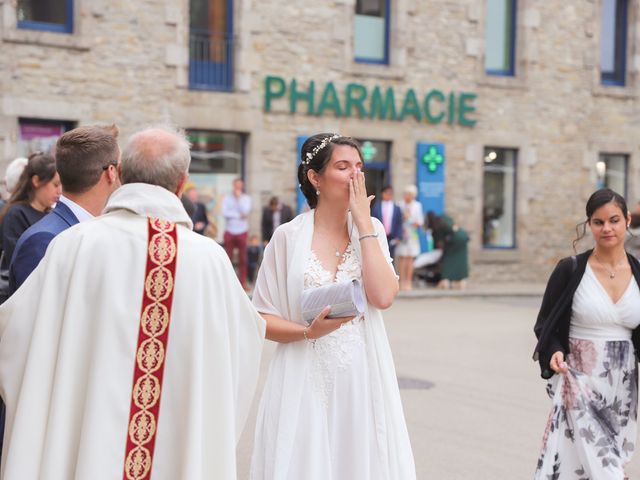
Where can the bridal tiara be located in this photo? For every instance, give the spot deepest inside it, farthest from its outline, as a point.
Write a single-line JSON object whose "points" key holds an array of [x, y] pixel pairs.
{"points": [[325, 141]]}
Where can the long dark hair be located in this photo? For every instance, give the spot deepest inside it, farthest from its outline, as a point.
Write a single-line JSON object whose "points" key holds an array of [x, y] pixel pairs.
{"points": [[41, 164], [598, 199], [319, 161]]}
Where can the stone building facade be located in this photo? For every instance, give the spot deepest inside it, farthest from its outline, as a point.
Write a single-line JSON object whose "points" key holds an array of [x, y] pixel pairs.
{"points": [[131, 63]]}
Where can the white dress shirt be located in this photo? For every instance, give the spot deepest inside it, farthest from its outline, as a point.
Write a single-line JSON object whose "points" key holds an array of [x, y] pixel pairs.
{"points": [[80, 213]]}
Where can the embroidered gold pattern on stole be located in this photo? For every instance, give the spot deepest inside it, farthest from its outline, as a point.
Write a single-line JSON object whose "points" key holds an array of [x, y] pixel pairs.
{"points": [[151, 349]]}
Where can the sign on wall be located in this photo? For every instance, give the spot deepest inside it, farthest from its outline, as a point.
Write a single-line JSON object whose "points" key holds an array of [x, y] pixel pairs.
{"points": [[430, 165], [377, 103]]}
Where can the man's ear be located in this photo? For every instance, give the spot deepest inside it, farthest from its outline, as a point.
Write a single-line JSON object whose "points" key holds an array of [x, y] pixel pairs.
{"points": [[113, 174], [181, 185]]}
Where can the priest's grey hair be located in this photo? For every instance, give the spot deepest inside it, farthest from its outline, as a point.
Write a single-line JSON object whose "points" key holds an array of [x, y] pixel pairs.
{"points": [[157, 155]]}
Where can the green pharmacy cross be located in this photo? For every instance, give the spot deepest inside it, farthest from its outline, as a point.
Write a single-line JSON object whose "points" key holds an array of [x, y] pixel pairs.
{"points": [[432, 158], [368, 151]]}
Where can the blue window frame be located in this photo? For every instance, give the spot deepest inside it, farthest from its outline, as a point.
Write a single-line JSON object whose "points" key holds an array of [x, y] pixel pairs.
{"points": [[371, 31], [613, 42], [499, 198], [500, 38], [48, 15], [211, 45]]}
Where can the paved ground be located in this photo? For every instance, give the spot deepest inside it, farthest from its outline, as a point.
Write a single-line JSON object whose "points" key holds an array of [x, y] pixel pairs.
{"points": [[484, 417]]}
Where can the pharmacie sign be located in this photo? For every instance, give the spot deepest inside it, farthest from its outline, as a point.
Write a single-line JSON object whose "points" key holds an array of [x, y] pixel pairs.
{"points": [[354, 99]]}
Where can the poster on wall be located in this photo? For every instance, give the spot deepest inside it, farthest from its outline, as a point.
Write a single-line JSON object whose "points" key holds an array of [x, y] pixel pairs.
{"points": [[39, 136]]}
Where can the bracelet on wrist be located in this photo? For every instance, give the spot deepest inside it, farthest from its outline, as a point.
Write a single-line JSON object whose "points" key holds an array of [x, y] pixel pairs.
{"points": [[368, 235], [310, 340]]}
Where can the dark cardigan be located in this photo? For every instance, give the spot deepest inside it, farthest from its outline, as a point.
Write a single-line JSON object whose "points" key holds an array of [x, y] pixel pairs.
{"points": [[552, 325]]}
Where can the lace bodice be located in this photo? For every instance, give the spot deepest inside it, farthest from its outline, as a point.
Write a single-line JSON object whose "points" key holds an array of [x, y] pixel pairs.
{"points": [[334, 352]]}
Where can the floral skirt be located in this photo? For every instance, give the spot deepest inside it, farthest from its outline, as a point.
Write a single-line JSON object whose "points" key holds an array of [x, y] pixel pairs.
{"points": [[591, 432]]}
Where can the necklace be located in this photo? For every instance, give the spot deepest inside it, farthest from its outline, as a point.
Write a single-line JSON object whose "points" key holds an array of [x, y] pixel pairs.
{"points": [[612, 273]]}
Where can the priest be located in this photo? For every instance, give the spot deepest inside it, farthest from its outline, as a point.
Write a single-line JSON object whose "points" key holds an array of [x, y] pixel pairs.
{"points": [[131, 351]]}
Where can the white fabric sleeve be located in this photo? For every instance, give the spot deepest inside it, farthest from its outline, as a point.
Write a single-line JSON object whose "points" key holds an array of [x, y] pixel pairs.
{"points": [[265, 295]]}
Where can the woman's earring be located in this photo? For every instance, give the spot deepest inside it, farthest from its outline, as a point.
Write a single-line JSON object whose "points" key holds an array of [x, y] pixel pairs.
{"points": [[317, 193]]}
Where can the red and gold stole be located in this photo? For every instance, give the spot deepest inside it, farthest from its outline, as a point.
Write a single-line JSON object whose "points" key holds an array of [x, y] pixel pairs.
{"points": [[151, 349]]}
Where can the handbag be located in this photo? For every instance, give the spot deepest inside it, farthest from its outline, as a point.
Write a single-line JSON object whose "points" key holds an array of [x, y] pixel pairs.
{"points": [[345, 298]]}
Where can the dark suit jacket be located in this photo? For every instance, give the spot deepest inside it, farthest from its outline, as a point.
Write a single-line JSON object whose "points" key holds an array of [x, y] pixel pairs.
{"points": [[286, 215], [33, 243], [396, 219], [200, 215]]}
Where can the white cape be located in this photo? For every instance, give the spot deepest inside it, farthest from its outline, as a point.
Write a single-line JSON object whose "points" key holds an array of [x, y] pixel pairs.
{"points": [[278, 291], [68, 339]]}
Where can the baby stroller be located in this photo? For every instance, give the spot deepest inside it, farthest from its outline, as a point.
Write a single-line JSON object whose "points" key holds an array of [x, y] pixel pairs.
{"points": [[426, 267]]}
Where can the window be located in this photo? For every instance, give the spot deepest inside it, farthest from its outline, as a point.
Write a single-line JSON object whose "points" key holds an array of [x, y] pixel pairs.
{"points": [[51, 15], [371, 31], [499, 198], [211, 45], [500, 37], [40, 135], [611, 170], [613, 42], [376, 155], [217, 159]]}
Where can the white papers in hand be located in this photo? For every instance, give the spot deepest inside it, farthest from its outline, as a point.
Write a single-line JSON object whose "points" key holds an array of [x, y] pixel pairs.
{"points": [[345, 299]]}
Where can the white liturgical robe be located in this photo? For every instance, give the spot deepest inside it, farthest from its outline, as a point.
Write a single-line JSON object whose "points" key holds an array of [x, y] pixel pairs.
{"points": [[68, 343]]}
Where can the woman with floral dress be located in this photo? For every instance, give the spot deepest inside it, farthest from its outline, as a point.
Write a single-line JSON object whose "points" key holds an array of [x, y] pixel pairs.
{"points": [[331, 406], [588, 339]]}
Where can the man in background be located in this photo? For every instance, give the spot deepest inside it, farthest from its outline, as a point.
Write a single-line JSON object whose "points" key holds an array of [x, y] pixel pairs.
{"points": [[391, 217], [199, 214], [235, 209], [274, 215]]}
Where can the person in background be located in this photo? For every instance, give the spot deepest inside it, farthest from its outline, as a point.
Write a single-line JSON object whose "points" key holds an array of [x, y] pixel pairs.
{"points": [[274, 215], [588, 341], [13, 172], [409, 247], [37, 190], [87, 160], [11, 177], [199, 216], [390, 215], [254, 256], [235, 209], [632, 242], [454, 266]]}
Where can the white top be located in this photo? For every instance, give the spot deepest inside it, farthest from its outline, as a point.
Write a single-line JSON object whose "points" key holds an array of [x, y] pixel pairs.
{"points": [[594, 316], [236, 211], [415, 212], [80, 213]]}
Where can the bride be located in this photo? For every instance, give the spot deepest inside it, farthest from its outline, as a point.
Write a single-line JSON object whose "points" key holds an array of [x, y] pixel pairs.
{"points": [[331, 407]]}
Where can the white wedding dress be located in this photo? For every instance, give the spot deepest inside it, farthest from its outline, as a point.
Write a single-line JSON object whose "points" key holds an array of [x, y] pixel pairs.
{"points": [[329, 410]]}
